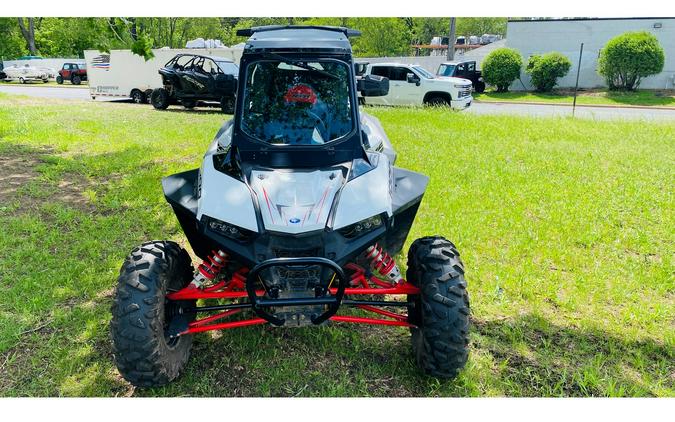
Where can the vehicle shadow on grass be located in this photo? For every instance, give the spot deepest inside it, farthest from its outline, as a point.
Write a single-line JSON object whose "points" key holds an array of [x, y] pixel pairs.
{"points": [[538, 357], [530, 356]]}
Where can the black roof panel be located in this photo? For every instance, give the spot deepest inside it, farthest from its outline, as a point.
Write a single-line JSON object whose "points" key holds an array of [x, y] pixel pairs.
{"points": [[299, 37]]}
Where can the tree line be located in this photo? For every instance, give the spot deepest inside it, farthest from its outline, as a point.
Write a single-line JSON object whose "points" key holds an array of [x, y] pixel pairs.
{"points": [[68, 37]]}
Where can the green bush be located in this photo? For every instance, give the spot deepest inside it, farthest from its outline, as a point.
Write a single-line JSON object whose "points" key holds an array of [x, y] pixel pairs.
{"points": [[501, 67], [545, 70], [628, 58]]}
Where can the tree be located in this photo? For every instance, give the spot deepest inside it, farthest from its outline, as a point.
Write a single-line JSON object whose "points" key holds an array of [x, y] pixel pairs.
{"points": [[28, 31], [501, 67], [480, 26], [12, 43], [628, 58], [381, 37], [67, 37], [545, 70]]}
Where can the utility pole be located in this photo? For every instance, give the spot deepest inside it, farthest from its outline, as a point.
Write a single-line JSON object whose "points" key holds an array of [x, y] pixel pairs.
{"points": [[576, 85], [451, 40]]}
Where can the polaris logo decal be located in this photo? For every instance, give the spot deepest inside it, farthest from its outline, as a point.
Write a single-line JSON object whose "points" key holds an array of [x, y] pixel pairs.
{"points": [[294, 220]]}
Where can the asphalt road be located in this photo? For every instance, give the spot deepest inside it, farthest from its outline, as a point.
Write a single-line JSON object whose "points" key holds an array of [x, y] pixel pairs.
{"points": [[603, 113], [47, 92], [599, 113]]}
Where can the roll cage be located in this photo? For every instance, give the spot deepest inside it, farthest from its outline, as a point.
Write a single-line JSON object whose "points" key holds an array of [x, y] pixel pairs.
{"points": [[195, 62]]}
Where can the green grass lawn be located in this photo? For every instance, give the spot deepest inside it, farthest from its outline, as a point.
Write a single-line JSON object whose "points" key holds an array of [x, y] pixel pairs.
{"points": [[662, 98], [565, 227]]}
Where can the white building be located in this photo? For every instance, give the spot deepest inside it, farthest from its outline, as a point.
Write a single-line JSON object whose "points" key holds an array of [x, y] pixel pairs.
{"points": [[566, 35]]}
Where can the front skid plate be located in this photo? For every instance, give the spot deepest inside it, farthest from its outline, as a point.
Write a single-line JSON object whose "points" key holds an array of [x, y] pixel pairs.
{"points": [[324, 296]]}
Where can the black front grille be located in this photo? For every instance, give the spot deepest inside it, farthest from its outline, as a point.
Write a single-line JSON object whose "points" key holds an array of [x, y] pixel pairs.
{"points": [[296, 253]]}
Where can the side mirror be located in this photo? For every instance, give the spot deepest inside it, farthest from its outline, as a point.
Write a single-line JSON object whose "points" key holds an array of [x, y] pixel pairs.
{"points": [[373, 86], [413, 79], [360, 68]]}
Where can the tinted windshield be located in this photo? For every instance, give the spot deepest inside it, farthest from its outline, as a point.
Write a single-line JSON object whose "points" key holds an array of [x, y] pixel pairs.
{"points": [[305, 103], [446, 69], [229, 68], [422, 71]]}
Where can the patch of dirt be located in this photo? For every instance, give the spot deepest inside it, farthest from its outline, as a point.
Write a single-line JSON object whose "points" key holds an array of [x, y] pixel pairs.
{"points": [[17, 169]]}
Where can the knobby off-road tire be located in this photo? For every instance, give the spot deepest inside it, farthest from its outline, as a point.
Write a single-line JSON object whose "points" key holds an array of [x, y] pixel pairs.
{"points": [[441, 312], [59, 80], [144, 353], [76, 80], [160, 99]]}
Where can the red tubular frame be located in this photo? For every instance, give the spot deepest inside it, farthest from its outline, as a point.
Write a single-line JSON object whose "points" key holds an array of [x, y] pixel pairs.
{"points": [[235, 289]]}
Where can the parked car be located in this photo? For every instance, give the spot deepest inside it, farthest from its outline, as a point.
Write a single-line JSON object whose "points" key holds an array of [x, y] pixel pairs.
{"points": [[25, 73], [414, 85], [3, 75], [73, 72], [463, 69], [189, 78]]}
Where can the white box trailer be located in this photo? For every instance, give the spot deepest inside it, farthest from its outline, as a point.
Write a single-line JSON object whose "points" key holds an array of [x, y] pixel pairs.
{"points": [[120, 72]]}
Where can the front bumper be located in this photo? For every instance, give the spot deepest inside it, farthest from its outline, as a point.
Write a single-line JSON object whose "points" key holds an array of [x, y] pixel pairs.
{"points": [[321, 297], [462, 103]]}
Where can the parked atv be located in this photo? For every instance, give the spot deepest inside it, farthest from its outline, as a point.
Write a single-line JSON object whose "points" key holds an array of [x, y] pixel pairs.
{"points": [[465, 70], [191, 78], [73, 72], [297, 213]]}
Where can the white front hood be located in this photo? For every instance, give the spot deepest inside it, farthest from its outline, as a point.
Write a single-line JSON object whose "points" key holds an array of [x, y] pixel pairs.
{"points": [[453, 80], [295, 201]]}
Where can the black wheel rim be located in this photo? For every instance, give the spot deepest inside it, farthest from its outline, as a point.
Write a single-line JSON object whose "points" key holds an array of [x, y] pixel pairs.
{"points": [[172, 321]]}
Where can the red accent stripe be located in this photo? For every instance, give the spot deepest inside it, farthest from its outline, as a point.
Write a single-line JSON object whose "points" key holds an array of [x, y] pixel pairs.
{"points": [[269, 207], [304, 218], [321, 205]]}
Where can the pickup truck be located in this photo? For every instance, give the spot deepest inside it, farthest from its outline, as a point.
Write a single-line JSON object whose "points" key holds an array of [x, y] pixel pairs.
{"points": [[463, 69], [414, 85]]}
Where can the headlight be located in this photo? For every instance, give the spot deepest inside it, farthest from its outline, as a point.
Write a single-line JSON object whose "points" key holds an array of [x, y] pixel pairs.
{"points": [[462, 86], [229, 230], [362, 227]]}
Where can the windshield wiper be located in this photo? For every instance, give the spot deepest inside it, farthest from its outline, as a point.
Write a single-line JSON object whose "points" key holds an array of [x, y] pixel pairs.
{"points": [[301, 65]]}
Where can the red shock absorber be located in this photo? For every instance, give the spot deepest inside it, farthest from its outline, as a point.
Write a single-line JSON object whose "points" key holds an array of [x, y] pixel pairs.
{"points": [[382, 264], [209, 269]]}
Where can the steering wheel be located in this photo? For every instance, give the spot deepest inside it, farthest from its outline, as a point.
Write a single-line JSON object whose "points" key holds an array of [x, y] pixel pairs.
{"points": [[323, 129]]}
